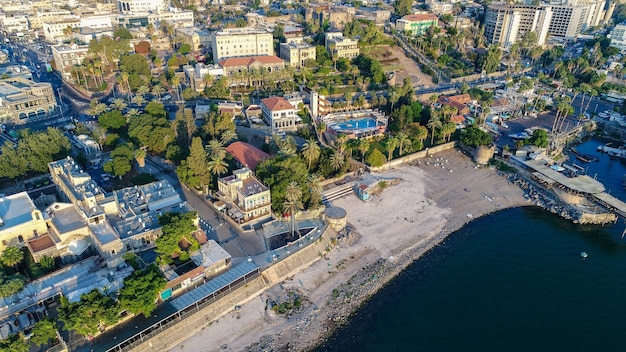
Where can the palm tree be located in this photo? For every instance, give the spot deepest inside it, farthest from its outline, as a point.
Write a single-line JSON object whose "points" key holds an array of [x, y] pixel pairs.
{"points": [[293, 203], [421, 133], [158, 90], [228, 136], [447, 130], [433, 124], [363, 146], [119, 104], [337, 160], [215, 149], [124, 77], [143, 90], [217, 166], [275, 142], [391, 145], [287, 146], [176, 83], [315, 186], [68, 33], [311, 151], [12, 256], [139, 100], [140, 156], [403, 141]]}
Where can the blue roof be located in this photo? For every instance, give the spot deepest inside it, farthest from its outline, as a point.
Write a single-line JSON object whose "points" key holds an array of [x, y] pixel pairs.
{"points": [[214, 285]]}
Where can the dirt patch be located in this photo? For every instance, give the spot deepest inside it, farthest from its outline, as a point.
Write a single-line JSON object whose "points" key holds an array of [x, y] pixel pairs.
{"points": [[394, 59]]}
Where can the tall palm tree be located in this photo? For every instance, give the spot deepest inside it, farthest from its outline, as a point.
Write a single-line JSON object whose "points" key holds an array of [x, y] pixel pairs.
{"points": [[434, 123], [287, 146], [315, 186], [143, 90], [140, 156], [310, 151], [228, 136], [119, 104], [176, 83], [363, 146], [139, 100], [293, 203], [158, 90], [337, 160], [217, 166], [403, 141], [215, 149], [124, 77], [390, 146], [12, 256]]}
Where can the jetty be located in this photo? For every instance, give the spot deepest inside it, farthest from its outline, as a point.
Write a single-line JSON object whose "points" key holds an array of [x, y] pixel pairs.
{"points": [[612, 151]]}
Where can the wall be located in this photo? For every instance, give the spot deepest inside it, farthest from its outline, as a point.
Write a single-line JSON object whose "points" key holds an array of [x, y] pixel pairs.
{"points": [[412, 157]]}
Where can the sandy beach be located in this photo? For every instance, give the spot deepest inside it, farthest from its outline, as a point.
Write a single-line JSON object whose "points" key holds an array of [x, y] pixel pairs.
{"points": [[434, 197]]}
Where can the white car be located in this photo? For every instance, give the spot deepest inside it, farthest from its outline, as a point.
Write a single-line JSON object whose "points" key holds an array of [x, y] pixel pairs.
{"points": [[166, 97]]}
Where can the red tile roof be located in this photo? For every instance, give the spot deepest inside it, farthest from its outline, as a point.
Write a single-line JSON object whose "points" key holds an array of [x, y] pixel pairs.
{"points": [[461, 98], [457, 119], [246, 154], [421, 17], [277, 103], [247, 61], [41, 243]]}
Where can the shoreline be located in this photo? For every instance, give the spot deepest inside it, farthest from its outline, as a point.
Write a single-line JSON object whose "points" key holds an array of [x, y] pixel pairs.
{"points": [[437, 195]]}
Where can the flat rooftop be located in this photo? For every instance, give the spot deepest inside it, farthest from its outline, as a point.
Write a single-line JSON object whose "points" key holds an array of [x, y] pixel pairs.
{"points": [[65, 217], [16, 209], [582, 184]]}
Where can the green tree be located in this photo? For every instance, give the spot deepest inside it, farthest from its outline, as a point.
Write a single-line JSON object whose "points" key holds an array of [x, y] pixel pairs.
{"points": [[402, 7], [315, 187], [94, 310], [197, 164], [433, 123], [33, 153], [112, 120], [10, 285], [310, 151], [473, 136], [14, 343], [176, 228], [539, 138], [122, 32], [12, 256], [217, 166], [376, 158], [337, 161], [47, 263], [44, 331], [121, 160], [293, 203], [278, 172], [184, 49], [390, 145], [363, 145], [140, 290]]}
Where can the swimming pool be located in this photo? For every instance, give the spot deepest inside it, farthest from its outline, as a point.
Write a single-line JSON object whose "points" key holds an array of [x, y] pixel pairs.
{"points": [[356, 124]]}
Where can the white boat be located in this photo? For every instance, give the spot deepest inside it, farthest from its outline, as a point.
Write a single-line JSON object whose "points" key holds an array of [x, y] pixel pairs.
{"points": [[584, 254]]}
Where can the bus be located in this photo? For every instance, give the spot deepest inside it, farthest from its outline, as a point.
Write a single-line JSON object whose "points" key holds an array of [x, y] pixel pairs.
{"points": [[48, 68]]}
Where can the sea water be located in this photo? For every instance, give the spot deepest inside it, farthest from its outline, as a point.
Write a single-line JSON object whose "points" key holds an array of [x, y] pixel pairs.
{"points": [[511, 281]]}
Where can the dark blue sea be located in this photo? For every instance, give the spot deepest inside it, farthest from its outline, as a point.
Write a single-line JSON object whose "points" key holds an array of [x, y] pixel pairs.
{"points": [[511, 281]]}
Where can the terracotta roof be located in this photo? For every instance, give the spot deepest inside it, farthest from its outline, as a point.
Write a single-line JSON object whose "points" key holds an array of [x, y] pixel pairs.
{"points": [[41, 243], [277, 104], [457, 119], [246, 154], [247, 61], [461, 98], [421, 17]]}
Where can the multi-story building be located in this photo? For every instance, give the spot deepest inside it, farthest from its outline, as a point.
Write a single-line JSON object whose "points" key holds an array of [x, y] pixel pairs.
{"points": [[17, 24], [280, 115], [41, 17], [66, 56], [197, 38], [297, 54], [417, 24], [375, 14], [340, 46], [174, 17], [618, 36], [249, 198], [269, 63], [196, 75], [568, 21], [22, 100], [132, 7], [53, 31], [506, 23], [335, 16], [20, 220], [246, 155], [241, 42], [441, 8]]}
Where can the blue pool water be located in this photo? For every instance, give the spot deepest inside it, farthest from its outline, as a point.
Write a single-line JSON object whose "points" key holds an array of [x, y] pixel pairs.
{"points": [[354, 124]]}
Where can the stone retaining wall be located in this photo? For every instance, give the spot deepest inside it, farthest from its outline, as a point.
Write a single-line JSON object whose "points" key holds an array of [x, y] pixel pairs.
{"points": [[412, 157]]}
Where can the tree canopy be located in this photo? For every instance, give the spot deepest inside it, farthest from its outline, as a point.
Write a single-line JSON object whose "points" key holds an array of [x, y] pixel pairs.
{"points": [[278, 172], [141, 289], [92, 311], [121, 160], [33, 153], [176, 228], [112, 120], [473, 137]]}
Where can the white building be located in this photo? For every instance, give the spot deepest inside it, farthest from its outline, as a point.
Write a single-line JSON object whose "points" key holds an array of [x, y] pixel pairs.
{"points": [[280, 115], [196, 75], [241, 42], [618, 36], [133, 7], [175, 17], [66, 56]]}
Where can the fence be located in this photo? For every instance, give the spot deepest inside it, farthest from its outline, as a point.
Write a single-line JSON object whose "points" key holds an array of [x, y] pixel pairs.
{"points": [[184, 313]]}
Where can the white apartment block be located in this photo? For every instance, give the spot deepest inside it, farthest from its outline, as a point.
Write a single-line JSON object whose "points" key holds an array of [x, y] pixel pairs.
{"points": [[280, 114], [53, 31], [441, 8], [340, 46], [175, 17], [241, 42], [66, 56], [618, 36], [196, 75], [41, 17], [133, 7], [15, 24]]}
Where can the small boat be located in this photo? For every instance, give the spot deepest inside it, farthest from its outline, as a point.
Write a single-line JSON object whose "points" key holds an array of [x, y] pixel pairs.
{"points": [[586, 158], [584, 255]]}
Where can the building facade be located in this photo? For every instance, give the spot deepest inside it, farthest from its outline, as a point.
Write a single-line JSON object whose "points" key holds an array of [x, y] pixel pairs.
{"points": [[341, 47], [22, 100], [141, 6], [20, 220], [250, 198], [66, 56], [618, 36], [297, 54], [417, 24], [241, 42], [280, 115], [197, 38], [269, 63]]}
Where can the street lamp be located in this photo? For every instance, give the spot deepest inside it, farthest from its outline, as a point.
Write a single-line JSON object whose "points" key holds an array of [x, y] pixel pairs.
{"points": [[60, 102]]}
